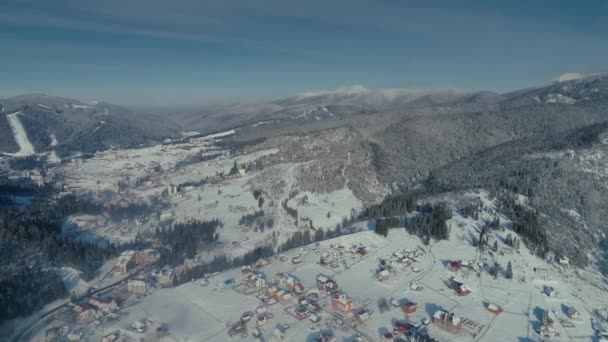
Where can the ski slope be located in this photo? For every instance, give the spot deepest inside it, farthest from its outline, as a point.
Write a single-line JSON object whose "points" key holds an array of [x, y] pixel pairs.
{"points": [[25, 147]]}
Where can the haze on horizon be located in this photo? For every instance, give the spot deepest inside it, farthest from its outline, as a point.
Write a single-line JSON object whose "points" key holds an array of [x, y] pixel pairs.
{"points": [[190, 52]]}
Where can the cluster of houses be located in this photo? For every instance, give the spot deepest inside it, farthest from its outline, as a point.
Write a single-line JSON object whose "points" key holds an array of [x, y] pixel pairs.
{"points": [[332, 257], [129, 260], [398, 260], [94, 308]]}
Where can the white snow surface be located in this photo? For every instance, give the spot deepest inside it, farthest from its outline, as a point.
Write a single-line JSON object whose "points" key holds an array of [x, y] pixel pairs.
{"points": [[196, 313]]}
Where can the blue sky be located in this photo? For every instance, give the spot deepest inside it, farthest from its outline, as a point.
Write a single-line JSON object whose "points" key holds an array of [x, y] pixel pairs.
{"points": [[191, 52]]}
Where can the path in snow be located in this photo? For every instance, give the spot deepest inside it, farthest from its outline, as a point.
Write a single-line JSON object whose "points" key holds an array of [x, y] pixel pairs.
{"points": [[25, 147]]}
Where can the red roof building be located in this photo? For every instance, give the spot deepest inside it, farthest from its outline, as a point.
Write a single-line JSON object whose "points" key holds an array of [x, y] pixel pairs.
{"points": [[342, 302]]}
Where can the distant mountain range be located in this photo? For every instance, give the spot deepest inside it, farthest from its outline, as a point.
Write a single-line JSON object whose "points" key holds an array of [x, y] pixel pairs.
{"points": [[70, 126]]}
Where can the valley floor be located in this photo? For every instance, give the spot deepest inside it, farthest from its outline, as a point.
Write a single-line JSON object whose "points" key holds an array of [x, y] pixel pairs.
{"points": [[192, 312]]}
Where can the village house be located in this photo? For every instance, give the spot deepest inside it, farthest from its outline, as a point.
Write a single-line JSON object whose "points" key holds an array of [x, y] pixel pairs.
{"points": [[550, 291], [125, 262], [401, 328], [165, 276], [146, 256], [327, 337], [111, 337], [261, 262], [448, 322], [563, 261], [409, 308], [495, 309], [541, 271], [573, 313], [137, 286], [325, 283], [388, 337], [362, 315], [454, 265], [257, 280], [463, 290], [383, 275], [165, 216], [105, 305], [85, 312], [342, 302], [301, 312]]}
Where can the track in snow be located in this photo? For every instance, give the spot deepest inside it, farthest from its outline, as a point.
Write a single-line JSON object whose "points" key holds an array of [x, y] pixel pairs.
{"points": [[25, 147]]}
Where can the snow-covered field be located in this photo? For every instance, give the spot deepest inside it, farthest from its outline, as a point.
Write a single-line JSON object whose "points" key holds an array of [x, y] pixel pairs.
{"points": [[204, 313], [25, 147]]}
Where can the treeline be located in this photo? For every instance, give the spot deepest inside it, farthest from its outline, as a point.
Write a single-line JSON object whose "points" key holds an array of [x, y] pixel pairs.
{"points": [[27, 163], [28, 291], [183, 240], [384, 224], [196, 159], [38, 228], [393, 205], [527, 224], [432, 223], [222, 262], [119, 212], [257, 220]]}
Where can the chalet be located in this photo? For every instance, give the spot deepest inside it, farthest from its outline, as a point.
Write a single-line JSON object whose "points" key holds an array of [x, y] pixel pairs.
{"points": [[111, 337], [272, 292], [409, 308], [495, 309], [383, 275], [146, 256], [563, 261], [165, 216], [325, 283], [388, 337], [105, 305], [401, 328], [416, 287], [125, 262], [463, 290], [237, 329], [453, 265], [548, 331], [573, 313], [165, 276], [541, 271], [261, 320], [342, 302], [327, 337], [448, 322], [281, 278], [301, 312], [261, 262], [550, 291], [362, 315], [257, 280], [137, 286], [246, 316], [548, 319], [140, 326], [85, 312]]}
